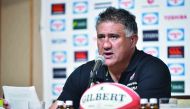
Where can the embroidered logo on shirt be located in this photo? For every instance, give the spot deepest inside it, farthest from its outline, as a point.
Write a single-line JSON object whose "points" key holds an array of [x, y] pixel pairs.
{"points": [[132, 76], [132, 85]]}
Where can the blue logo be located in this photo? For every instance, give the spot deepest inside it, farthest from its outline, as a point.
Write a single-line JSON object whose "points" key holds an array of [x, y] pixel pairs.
{"points": [[154, 51], [150, 18], [80, 40], [176, 34], [80, 7], [177, 69], [57, 88], [173, 3], [127, 4], [59, 56], [57, 25]]}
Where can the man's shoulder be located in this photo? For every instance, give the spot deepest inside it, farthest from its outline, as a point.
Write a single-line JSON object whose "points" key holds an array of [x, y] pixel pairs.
{"points": [[84, 68], [87, 65], [144, 59], [147, 57]]}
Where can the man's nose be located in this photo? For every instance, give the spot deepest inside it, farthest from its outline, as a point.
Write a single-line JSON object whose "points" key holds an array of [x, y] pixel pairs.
{"points": [[107, 43]]}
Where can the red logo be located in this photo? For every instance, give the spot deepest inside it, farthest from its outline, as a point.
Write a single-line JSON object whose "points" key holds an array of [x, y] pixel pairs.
{"points": [[81, 56], [150, 1], [175, 17], [58, 9], [176, 52]]}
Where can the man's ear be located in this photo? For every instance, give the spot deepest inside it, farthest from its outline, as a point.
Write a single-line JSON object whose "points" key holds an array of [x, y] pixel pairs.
{"points": [[134, 39]]}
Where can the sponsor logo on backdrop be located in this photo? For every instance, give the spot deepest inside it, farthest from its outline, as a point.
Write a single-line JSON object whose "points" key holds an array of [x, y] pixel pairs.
{"points": [[150, 35], [57, 88], [172, 3], [154, 51], [57, 25], [80, 40], [127, 4], [80, 23], [59, 73], [176, 52], [81, 56], [175, 34], [150, 3], [58, 41], [80, 7], [178, 86], [150, 18], [177, 69], [102, 4], [175, 17], [57, 9], [59, 56]]}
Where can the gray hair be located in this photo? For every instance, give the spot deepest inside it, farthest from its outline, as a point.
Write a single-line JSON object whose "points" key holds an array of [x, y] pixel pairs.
{"points": [[121, 16]]}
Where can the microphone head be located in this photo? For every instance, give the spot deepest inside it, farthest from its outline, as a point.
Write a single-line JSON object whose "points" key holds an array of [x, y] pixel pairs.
{"points": [[100, 58]]}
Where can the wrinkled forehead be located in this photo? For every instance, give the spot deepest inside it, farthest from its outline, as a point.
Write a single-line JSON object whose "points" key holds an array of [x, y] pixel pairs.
{"points": [[111, 23]]}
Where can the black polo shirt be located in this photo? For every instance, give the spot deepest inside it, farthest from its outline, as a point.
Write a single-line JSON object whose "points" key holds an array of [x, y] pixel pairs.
{"points": [[147, 75]]}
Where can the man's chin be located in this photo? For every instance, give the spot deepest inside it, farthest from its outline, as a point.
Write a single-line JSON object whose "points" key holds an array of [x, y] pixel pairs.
{"points": [[109, 63]]}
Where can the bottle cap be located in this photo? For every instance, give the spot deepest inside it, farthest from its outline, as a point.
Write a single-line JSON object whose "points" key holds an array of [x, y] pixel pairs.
{"points": [[153, 100], [60, 102], [144, 101], [69, 102], [1, 102]]}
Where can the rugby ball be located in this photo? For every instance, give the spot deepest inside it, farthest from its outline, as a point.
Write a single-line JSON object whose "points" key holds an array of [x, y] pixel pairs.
{"points": [[109, 96]]}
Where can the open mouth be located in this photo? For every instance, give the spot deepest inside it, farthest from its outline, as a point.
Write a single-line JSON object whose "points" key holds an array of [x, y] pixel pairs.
{"points": [[108, 55]]}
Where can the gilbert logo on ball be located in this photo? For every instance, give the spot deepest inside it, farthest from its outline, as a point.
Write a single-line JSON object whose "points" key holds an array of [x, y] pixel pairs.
{"points": [[110, 96]]}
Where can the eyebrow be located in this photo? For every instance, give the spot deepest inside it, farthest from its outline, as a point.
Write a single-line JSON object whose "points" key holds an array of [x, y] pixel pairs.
{"points": [[108, 34]]}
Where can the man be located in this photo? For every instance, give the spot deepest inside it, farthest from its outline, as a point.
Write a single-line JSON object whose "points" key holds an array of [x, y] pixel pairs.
{"points": [[116, 40]]}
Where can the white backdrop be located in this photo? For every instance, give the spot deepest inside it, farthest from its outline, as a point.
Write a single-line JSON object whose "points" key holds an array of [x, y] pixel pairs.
{"points": [[69, 37]]}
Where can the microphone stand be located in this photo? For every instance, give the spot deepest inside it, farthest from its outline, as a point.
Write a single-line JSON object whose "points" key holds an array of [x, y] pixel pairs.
{"points": [[92, 79], [98, 63]]}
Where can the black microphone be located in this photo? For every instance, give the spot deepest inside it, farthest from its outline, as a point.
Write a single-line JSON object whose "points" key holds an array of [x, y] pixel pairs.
{"points": [[99, 61]]}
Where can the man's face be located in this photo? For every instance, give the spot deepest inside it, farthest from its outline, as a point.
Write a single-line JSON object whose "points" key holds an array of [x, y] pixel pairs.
{"points": [[113, 43]]}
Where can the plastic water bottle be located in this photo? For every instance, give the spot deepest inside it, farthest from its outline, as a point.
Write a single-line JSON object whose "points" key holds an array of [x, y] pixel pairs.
{"points": [[153, 103], [144, 103]]}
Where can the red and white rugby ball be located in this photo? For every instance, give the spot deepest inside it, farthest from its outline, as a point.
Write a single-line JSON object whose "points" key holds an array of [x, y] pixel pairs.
{"points": [[110, 96]]}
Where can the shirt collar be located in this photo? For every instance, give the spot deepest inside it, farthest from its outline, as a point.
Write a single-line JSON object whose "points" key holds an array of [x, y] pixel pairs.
{"points": [[103, 74]]}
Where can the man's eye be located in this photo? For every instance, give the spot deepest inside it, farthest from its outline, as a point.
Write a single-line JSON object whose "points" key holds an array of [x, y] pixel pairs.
{"points": [[100, 36], [114, 36]]}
